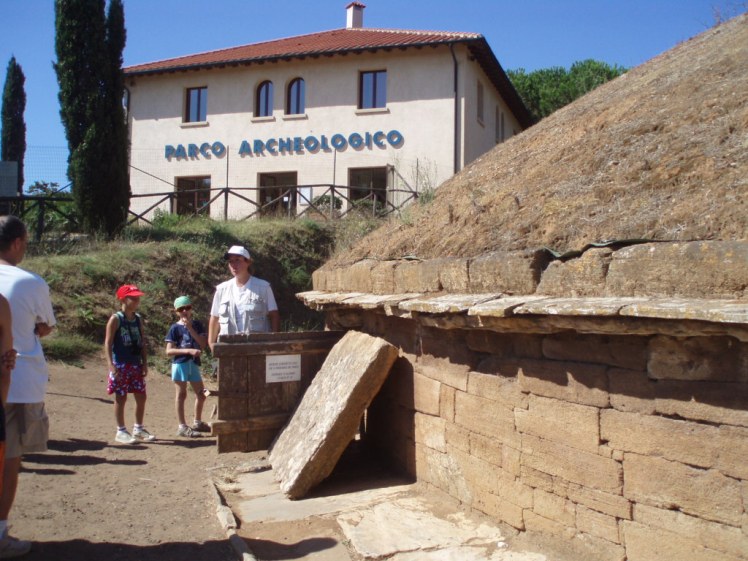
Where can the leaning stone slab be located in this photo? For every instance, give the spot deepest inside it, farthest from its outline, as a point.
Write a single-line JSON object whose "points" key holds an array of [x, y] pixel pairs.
{"points": [[328, 416]]}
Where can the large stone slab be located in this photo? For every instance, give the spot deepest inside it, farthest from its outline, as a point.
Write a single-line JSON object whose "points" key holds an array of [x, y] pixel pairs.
{"points": [[583, 276], [514, 272], [328, 416], [686, 269]]}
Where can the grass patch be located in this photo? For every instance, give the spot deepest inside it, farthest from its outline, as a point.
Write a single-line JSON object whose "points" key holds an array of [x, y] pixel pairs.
{"points": [[68, 347], [175, 257]]}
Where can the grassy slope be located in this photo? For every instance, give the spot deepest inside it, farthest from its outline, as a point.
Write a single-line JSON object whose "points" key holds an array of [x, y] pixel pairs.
{"points": [[185, 257]]}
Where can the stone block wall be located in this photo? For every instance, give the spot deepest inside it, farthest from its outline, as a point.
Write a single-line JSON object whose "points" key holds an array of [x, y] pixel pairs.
{"points": [[632, 447], [714, 269]]}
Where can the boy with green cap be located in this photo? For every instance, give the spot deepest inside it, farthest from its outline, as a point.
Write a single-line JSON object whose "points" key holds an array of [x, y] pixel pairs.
{"points": [[184, 344]]}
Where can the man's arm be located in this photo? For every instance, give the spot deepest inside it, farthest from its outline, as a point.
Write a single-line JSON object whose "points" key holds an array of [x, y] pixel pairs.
{"points": [[275, 320], [45, 315], [6, 346], [43, 329], [213, 329]]}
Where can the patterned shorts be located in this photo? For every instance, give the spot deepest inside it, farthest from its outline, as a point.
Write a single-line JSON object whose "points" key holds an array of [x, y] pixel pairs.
{"points": [[130, 380]]}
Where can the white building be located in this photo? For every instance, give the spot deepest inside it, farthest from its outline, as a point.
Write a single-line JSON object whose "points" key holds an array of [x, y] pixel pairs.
{"points": [[387, 112]]}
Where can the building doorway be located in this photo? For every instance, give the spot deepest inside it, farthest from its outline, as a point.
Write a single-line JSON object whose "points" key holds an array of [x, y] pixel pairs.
{"points": [[368, 189], [278, 194], [193, 196]]}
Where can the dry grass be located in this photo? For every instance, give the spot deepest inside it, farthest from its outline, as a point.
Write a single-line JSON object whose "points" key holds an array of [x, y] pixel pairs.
{"points": [[660, 153]]}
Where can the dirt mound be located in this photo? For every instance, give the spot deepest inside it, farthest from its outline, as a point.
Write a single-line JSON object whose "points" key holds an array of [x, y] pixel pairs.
{"points": [[659, 153]]}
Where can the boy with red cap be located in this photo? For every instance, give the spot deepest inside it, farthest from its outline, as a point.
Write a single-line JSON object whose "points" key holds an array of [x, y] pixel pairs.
{"points": [[125, 349]]}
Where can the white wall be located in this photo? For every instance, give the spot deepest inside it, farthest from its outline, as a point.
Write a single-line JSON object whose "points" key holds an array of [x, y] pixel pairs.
{"points": [[479, 137]]}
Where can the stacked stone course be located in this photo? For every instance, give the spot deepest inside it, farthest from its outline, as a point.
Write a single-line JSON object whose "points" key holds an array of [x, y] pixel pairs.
{"points": [[572, 449]]}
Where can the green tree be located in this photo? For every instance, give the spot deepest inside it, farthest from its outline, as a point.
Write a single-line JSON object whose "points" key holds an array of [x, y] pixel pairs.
{"points": [[586, 75], [548, 89], [13, 136], [89, 71], [118, 179]]}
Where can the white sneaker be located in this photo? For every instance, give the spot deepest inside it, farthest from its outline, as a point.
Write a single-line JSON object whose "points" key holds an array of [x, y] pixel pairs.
{"points": [[142, 435], [124, 437], [13, 547], [187, 432]]}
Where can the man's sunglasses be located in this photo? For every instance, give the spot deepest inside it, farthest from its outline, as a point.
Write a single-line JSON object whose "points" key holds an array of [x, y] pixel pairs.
{"points": [[184, 309]]}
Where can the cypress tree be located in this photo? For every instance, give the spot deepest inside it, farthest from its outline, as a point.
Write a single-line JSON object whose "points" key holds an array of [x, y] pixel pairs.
{"points": [[119, 180], [13, 136], [89, 70]]}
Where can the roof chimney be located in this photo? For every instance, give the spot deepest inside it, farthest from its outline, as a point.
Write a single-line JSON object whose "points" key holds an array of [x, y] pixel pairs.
{"points": [[354, 15]]}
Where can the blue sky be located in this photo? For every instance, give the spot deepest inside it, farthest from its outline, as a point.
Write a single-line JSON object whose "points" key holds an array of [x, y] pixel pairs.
{"points": [[528, 34]]}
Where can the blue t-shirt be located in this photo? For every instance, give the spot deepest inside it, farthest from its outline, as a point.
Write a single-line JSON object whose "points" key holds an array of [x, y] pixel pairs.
{"points": [[180, 337]]}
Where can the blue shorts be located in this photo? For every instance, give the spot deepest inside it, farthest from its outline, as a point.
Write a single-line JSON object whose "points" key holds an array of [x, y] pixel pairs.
{"points": [[186, 372]]}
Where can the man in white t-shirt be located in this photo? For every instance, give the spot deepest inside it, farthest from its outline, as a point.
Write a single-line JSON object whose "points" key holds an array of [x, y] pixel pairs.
{"points": [[27, 425], [243, 304]]}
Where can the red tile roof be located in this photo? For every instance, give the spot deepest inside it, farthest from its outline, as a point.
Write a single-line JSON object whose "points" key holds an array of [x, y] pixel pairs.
{"points": [[340, 41], [325, 42]]}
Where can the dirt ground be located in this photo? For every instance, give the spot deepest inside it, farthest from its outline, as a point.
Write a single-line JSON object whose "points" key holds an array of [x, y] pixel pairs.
{"points": [[91, 498]]}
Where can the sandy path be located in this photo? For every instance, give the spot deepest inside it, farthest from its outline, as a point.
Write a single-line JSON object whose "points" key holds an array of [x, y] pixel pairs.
{"points": [[90, 498]]}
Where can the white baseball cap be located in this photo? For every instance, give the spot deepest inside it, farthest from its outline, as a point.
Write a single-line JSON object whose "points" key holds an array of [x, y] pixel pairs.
{"points": [[237, 250]]}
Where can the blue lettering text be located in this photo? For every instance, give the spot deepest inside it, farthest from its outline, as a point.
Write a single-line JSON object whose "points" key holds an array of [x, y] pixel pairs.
{"points": [[245, 149], [284, 145], [311, 143], [218, 149], [395, 138], [338, 142], [355, 140]]}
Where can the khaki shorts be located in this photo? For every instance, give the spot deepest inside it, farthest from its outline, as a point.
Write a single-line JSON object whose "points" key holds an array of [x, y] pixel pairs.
{"points": [[26, 429]]}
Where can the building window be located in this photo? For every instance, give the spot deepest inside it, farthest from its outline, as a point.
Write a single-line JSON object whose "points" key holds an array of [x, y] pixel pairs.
{"points": [[479, 103], [264, 106], [372, 90], [126, 102], [278, 194], [368, 190], [193, 196], [295, 97], [500, 133], [196, 106]]}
